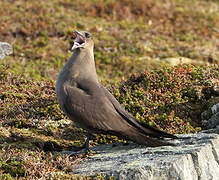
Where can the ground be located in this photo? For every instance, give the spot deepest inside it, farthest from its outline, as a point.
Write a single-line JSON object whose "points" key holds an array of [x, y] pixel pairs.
{"points": [[135, 44]]}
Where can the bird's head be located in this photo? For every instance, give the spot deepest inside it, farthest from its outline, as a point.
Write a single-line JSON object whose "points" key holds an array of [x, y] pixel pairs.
{"points": [[82, 40]]}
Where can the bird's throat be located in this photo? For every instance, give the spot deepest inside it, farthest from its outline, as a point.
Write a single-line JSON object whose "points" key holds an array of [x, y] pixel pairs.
{"points": [[82, 63]]}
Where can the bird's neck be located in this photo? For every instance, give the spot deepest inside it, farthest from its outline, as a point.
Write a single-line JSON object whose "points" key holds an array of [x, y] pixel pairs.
{"points": [[82, 64]]}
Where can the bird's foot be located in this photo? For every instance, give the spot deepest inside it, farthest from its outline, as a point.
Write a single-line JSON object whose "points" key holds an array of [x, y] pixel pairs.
{"points": [[81, 152], [84, 151]]}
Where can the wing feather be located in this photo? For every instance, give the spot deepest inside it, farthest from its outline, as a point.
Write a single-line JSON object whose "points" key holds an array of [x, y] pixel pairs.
{"points": [[148, 130]]}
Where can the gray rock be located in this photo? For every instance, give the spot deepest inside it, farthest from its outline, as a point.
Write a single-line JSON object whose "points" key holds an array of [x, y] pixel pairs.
{"points": [[213, 130], [5, 49], [213, 121], [210, 117], [194, 157], [215, 108]]}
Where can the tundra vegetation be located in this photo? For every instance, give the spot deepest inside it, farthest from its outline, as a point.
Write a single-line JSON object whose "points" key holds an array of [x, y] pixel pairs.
{"points": [[136, 43]]}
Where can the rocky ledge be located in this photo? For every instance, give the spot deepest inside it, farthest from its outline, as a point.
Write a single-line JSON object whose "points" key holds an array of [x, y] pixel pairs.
{"points": [[194, 157], [5, 49]]}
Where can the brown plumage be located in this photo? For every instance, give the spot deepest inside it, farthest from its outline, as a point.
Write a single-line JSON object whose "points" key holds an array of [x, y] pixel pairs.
{"points": [[91, 106]]}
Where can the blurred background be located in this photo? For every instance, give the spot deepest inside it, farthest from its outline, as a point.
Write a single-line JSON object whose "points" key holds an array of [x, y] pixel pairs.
{"points": [[130, 36]]}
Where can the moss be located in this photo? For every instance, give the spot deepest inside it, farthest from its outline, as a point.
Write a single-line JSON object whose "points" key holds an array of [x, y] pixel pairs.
{"points": [[13, 167], [57, 176], [6, 177], [171, 98]]}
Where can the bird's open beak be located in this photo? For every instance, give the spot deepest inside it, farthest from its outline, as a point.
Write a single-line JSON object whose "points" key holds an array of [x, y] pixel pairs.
{"points": [[79, 41]]}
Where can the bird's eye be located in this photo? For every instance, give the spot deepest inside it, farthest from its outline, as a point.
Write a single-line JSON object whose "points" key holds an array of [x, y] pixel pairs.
{"points": [[87, 35]]}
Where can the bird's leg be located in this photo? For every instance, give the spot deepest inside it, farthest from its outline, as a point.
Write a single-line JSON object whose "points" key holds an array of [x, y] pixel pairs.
{"points": [[84, 149], [86, 144]]}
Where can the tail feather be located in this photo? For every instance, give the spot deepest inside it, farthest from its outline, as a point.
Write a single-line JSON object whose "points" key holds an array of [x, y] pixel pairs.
{"points": [[144, 134], [140, 138], [158, 133], [145, 129]]}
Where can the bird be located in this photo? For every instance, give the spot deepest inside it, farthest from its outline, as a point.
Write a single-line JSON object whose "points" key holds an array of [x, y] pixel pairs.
{"points": [[92, 107]]}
